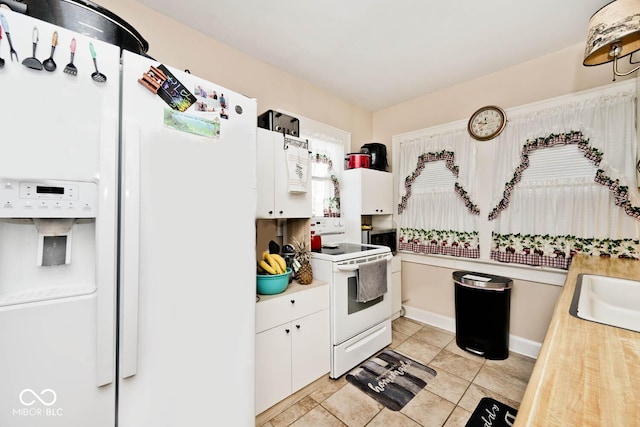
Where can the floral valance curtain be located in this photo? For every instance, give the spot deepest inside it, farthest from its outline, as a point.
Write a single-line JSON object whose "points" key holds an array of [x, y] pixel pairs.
{"points": [[438, 216], [547, 220]]}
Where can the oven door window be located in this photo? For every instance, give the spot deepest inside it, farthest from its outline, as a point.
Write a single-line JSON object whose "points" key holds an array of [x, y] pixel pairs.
{"points": [[353, 305]]}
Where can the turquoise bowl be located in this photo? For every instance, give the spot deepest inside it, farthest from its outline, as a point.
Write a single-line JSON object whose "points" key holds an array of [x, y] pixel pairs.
{"points": [[270, 284]]}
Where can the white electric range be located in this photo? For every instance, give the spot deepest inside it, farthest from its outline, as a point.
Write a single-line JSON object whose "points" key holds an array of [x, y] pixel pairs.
{"points": [[358, 330]]}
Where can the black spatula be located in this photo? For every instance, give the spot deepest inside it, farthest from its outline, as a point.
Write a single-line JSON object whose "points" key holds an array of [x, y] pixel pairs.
{"points": [[70, 68], [32, 62]]}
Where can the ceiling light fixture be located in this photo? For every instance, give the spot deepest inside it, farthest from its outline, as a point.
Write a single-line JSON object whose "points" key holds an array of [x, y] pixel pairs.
{"points": [[614, 32]]}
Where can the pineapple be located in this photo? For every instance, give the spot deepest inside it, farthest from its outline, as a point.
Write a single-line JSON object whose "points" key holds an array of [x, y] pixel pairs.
{"points": [[302, 256]]}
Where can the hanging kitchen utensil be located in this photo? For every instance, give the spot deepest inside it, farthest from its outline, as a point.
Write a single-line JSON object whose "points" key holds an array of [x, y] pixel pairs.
{"points": [[32, 62], [49, 63], [1, 60], [5, 24], [70, 68], [97, 76]]}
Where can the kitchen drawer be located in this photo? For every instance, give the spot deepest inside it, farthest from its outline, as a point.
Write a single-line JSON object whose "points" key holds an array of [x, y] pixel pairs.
{"points": [[291, 306]]}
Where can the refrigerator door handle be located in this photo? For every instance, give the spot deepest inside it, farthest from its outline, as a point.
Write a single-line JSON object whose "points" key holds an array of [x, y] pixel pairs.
{"points": [[130, 251], [106, 249]]}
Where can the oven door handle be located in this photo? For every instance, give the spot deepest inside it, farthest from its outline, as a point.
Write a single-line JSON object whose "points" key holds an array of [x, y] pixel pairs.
{"points": [[354, 267]]}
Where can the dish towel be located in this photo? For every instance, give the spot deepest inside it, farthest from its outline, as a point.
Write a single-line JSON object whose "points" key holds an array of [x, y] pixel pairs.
{"points": [[298, 165], [372, 280]]}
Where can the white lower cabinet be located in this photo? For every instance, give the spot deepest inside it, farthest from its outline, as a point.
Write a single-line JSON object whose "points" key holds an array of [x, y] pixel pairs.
{"points": [[273, 366], [292, 342]]}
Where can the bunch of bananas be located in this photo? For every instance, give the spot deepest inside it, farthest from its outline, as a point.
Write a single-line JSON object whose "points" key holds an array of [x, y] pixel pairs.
{"points": [[271, 264]]}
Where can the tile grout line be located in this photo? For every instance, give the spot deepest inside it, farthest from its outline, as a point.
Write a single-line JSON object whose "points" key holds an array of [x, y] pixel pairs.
{"points": [[457, 403]]}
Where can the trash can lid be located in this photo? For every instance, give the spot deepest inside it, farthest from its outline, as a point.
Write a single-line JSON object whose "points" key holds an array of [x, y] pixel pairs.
{"points": [[482, 280]]}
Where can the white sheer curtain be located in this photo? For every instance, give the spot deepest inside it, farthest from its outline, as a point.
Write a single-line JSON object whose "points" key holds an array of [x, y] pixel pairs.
{"points": [[583, 209], [437, 212], [328, 146], [327, 163], [607, 122], [543, 221]]}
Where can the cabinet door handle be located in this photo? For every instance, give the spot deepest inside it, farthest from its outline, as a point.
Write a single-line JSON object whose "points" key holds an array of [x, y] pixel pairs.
{"points": [[298, 326], [270, 212], [287, 330], [281, 212], [293, 301]]}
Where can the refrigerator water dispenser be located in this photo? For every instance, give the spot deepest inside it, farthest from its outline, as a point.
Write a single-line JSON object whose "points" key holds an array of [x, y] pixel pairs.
{"points": [[54, 241], [54, 206], [47, 239]]}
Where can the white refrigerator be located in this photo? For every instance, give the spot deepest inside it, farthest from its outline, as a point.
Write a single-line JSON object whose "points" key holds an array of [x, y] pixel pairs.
{"points": [[127, 241]]}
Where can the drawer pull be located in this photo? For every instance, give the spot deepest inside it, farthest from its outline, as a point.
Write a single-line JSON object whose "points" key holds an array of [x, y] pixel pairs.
{"points": [[287, 330], [298, 326], [293, 301]]}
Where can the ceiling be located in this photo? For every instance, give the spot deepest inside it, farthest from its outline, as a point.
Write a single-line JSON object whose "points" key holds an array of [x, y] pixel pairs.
{"points": [[378, 53]]}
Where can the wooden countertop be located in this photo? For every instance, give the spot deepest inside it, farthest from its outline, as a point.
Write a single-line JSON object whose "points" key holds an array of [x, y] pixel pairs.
{"points": [[587, 374], [294, 286]]}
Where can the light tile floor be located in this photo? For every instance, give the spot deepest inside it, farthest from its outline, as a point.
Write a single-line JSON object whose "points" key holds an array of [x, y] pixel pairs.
{"points": [[462, 380]]}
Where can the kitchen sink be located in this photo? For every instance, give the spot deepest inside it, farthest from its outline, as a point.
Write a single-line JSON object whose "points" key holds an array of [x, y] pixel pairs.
{"points": [[608, 300]]}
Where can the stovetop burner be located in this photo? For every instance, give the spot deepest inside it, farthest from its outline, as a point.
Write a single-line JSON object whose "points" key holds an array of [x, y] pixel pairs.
{"points": [[345, 250]]}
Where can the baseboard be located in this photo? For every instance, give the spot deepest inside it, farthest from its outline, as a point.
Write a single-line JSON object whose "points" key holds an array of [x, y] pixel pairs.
{"points": [[430, 318], [517, 344]]}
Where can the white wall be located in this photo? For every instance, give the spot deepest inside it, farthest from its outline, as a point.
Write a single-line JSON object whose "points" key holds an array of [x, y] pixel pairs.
{"points": [[553, 75], [175, 44]]}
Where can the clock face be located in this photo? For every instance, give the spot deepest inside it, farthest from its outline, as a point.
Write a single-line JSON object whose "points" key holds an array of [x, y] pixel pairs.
{"points": [[487, 123]]}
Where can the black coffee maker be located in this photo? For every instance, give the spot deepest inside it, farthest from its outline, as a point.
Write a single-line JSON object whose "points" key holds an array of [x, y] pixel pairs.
{"points": [[378, 154]]}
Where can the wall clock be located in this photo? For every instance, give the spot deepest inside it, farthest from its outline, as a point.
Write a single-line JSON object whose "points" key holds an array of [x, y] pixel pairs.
{"points": [[487, 123]]}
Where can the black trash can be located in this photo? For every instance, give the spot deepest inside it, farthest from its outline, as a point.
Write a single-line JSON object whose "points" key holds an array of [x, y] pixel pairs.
{"points": [[483, 303]]}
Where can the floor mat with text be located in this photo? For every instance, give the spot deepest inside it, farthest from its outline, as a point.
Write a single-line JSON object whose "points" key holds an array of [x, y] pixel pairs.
{"points": [[391, 378], [491, 412]]}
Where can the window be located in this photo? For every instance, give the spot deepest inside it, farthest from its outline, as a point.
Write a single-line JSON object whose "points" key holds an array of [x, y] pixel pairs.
{"points": [[436, 213], [560, 180], [328, 147]]}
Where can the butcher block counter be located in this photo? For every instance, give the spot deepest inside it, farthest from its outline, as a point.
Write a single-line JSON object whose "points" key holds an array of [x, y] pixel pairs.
{"points": [[587, 374]]}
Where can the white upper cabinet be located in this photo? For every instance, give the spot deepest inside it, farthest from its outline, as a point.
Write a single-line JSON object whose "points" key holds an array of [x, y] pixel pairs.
{"points": [[368, 191], [274, 200]]}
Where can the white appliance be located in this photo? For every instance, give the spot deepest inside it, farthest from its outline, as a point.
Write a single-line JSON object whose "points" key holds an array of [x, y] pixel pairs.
{"points": [[358, 330], [331, 229], [127, 271]]}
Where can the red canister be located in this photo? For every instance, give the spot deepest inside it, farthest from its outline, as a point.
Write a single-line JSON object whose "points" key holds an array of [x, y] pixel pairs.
{"points": [[316, 242], [357, 160]]}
